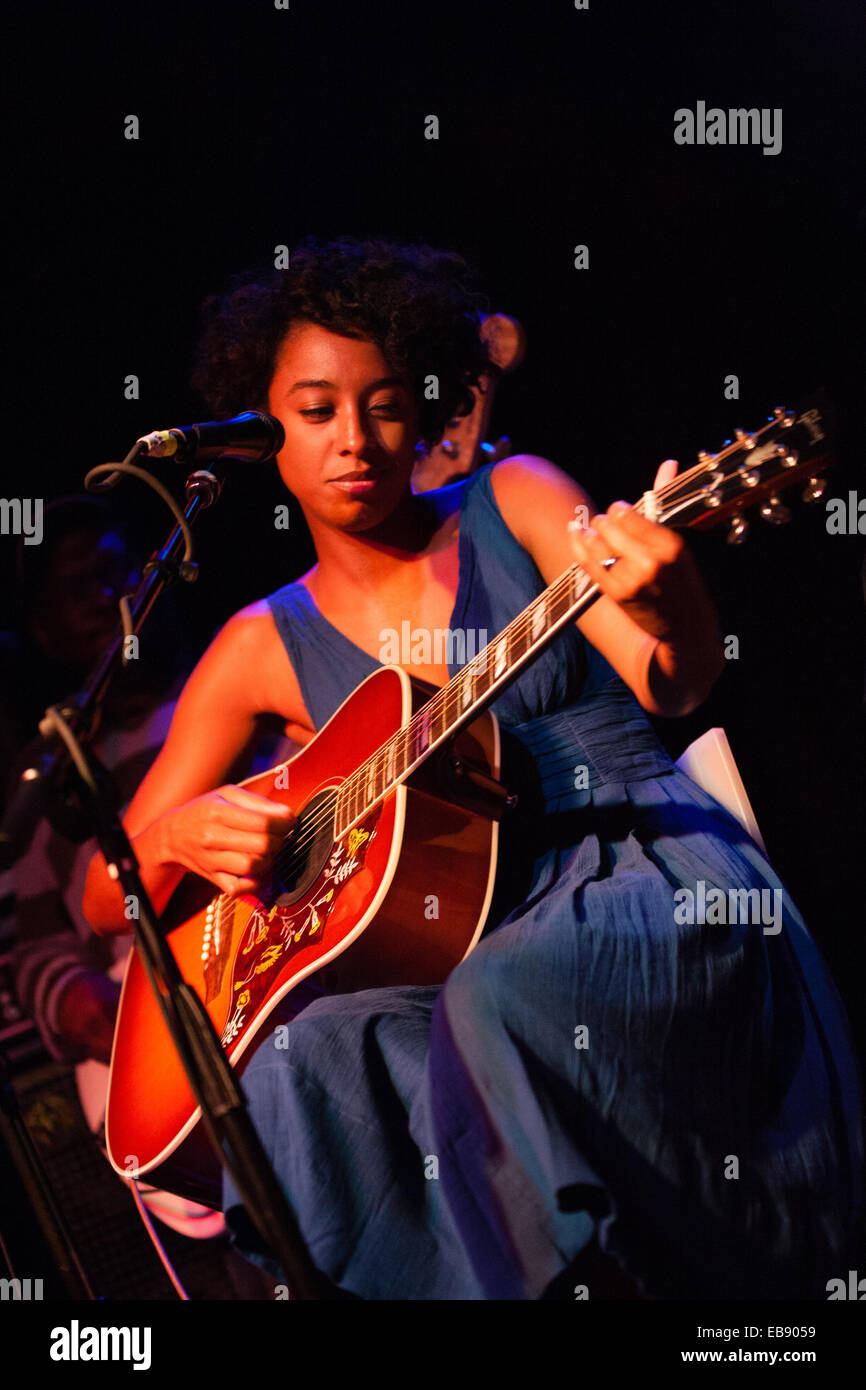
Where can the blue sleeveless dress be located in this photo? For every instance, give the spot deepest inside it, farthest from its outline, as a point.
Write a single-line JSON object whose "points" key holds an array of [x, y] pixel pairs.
{"points": [[686, 1091]]}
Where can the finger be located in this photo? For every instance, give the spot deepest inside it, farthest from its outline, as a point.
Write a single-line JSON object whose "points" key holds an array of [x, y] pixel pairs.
{"points": [[257, 850], [666, 474], [587, 545], [232, 886], [266, 816], [591, 552], [240, 869], [253, 802], [218, 835], [628, 533]]}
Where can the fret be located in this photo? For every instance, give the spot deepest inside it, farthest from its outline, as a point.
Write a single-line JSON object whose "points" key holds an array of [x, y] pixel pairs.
{"points": [[422, 738], [482, 680], [404, 757], [446, 712], [539, 621], [381, 770], [372, 787], [391, 761], [517, 634], [527, 641], [440, 718], [500, 655], [349, 800], [559, 603], [412, 736], [581, 584]]}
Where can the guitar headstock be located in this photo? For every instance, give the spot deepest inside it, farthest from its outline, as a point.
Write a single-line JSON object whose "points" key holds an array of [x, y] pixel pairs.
{"points": [[752, 470]]}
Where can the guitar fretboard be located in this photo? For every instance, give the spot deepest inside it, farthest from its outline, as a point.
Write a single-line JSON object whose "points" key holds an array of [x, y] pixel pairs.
{"points": [[472, 689], [758, 465]]}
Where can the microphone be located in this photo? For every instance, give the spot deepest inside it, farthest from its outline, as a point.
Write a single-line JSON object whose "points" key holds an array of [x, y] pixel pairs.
{"points": [[251, 437]]}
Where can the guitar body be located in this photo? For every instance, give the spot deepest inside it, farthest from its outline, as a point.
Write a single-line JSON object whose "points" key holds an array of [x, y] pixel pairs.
{"points": [[401, 898]]}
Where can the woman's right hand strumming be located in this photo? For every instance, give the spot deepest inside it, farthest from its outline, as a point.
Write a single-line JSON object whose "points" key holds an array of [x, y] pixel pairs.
{"points": [[229, 836], [188, 815]]}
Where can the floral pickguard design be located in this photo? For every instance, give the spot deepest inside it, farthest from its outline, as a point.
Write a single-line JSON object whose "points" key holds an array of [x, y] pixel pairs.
{"points": [[274, 933]]}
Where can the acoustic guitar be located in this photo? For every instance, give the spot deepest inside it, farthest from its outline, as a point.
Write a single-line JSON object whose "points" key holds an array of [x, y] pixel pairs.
{"points": [[387, 876]]}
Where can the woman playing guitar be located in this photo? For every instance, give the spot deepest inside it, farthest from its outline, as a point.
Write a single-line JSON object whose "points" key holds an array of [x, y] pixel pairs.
{"points": [[681, 1092]]}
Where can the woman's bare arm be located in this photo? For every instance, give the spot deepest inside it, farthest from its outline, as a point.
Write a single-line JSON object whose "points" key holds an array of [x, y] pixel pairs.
{"points": [[187, 815], [659, 631]]}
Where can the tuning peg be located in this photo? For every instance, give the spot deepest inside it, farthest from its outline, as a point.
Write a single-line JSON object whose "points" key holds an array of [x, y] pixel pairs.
{"points": [[744, 440], [750, 476], [814, 489], [783, 416], [789, 457], [738, 529], [774, 511]]}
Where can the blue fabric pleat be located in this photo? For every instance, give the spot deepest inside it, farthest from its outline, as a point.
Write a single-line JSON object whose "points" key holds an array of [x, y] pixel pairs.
{"points": [[685, 1091]]}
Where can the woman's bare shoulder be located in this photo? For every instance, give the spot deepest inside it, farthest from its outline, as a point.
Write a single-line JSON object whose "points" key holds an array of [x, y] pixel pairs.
{"points": [[523, 482], [253, 651]]}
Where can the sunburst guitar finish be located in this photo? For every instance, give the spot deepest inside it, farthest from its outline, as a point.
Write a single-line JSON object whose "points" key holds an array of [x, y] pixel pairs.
{"points": [[400, 898]]}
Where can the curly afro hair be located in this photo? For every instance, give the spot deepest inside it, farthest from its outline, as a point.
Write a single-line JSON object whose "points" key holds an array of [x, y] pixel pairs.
{"points": [[417, 304]]}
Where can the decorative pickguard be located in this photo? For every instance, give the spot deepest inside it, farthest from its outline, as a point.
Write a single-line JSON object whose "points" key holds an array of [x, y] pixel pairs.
{"points": [[277, 929]]}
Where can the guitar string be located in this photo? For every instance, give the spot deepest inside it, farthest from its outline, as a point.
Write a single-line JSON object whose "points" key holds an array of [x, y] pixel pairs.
{"points": [[311, 827], [441, 701], [520, 629], [528, 615], [546, 600], [297, 844]]}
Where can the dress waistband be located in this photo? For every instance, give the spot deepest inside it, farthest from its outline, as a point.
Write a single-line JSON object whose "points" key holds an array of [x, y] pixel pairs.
{"points": [[603, 737]]}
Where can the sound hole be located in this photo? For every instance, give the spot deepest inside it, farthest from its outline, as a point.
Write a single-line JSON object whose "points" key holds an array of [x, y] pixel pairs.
{"points": [[306, 851]]}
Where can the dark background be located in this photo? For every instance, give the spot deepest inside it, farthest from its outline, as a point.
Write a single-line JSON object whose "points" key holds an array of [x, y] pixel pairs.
{"points": [[556, 128]]}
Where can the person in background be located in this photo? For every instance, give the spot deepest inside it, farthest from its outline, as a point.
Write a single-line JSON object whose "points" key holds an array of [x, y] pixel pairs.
{"points": [[67, 979]]}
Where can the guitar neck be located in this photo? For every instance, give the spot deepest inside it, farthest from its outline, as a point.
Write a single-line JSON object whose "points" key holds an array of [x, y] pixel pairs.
{"points": [[751, 469], [468, 693]]}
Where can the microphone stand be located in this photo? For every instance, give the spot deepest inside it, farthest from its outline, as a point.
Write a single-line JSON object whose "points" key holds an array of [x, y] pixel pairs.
{"points": [[211, 1077]]}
